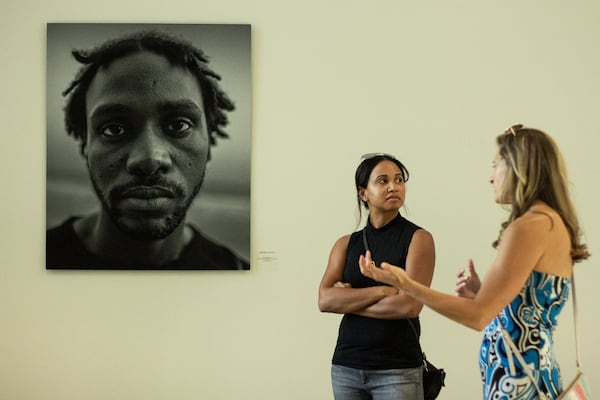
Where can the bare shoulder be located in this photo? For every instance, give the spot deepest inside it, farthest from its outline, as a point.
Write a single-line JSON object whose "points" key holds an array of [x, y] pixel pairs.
{"points": [[342, 241], [529, 231], [340, 246], [542, 233], [423, 235], [538, 220], [421, 243]]}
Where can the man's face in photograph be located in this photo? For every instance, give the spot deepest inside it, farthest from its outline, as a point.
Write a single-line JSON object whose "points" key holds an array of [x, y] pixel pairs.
{"points": [[147, 142]]}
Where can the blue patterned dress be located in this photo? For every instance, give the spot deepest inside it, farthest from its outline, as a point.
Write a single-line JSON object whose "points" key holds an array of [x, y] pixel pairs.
{"points": [[530, 320]]}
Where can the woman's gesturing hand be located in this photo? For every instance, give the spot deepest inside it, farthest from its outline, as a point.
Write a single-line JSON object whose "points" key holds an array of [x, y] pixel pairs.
{"points": [[468, 283], [388, 273]]}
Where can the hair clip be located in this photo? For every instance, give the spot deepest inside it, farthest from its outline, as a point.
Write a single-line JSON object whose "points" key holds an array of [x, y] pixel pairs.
{"points": [[513, 129]]}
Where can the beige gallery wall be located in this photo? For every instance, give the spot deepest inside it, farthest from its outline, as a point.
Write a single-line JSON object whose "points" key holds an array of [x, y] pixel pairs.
{"points": [[431, 81]]}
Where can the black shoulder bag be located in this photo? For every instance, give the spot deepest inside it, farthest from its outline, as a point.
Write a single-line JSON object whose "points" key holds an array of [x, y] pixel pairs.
{"points": [[433, 378]]}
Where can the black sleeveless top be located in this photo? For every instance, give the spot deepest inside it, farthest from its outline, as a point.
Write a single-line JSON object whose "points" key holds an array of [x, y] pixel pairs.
{"points": [[369, 343]]}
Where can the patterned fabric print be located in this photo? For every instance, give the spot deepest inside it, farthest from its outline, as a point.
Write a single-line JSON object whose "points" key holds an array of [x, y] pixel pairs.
{"points": [[530, 320]]}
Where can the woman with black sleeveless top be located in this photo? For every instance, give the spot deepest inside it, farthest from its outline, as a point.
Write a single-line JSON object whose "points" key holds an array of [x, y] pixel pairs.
{"points": [[377, 353]]}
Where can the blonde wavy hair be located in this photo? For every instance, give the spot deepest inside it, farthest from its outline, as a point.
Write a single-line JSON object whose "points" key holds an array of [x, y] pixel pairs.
{"points": [[537, 171]]}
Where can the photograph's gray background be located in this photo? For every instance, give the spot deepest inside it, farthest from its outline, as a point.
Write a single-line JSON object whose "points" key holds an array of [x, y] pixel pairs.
{"points": [[222, 208], [432, 81]]}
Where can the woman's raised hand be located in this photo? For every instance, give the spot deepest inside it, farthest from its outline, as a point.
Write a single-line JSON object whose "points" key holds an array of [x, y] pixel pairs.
{"points": [[388, 273], [468, 283]]}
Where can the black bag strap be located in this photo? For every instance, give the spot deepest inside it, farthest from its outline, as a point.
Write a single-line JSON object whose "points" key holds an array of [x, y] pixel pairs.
{"points": [[423, 357], [364, 238]]}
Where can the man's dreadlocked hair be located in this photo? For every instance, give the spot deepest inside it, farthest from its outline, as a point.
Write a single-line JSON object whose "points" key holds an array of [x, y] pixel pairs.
{"points": [[176, 50]]}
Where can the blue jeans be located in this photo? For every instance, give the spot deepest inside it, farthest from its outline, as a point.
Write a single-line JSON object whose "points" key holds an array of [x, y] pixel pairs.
{"points": [[380, 384]]}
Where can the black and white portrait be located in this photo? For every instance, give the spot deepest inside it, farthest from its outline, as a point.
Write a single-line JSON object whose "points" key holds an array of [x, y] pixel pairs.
{"points": [[148, 146]]}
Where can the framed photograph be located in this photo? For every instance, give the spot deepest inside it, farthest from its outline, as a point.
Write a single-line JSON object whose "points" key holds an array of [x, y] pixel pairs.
{"points": [[148, 146]]}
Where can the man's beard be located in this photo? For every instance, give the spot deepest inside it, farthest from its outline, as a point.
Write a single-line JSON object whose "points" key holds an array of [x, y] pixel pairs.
{"points": [[145, 231]]}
